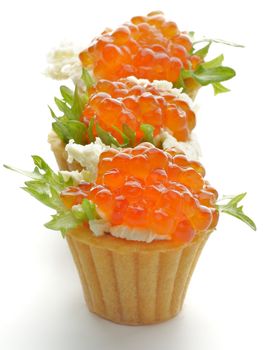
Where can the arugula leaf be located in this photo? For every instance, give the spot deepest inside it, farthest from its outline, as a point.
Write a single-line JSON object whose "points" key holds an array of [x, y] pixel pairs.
{"points": [[55, 180], [68, 126], [46, 186], [67, 94], [62, 106], [233, 209], [78, 103], [203, 51], [219, 88], [130, 134], [50, 200], [148, 131], [90, 130], [63, 222], [32, 174], [89, 209], [106, 137], [87, 79], [216, 62], [126, 139], [62, 131], [180, 82], [217, 41], [70, 129], [77, 131], [212, 75], [52, 113]]}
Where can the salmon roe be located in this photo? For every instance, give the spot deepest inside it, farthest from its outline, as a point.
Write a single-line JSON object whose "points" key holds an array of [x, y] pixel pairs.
{"points": [[145, 187], [147, 47], [126, 102]]}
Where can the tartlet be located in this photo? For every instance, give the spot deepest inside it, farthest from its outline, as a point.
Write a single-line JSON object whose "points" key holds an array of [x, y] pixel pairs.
{"points": [[148, 47], [131, 198], [135, 230], [123, 113]]}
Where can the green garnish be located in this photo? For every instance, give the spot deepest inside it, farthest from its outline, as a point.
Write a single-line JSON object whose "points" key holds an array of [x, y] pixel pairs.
{"points": [[148, 131], [68, 126], [87, 79], [67, 94], [219, 88], [211, 75], [130, 134], [203, 51], [215, 62], [126, 141], [233, 209], [90, 130], [89, 209], [217, 41], [211, 72], [46, 186], [106, 137]]}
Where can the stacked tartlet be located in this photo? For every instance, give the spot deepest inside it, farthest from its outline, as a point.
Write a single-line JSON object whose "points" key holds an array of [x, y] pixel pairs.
{"points": [[131, 196], [124, 113]]}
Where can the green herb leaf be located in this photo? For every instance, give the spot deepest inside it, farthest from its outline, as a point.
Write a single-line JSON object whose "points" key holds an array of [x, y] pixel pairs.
{"points": [[56, 181], [233, 209], [180, 81], [51, 200], [62, 131], [216, 62], [46, 186], [52, 113], [106, 137], [77, 131], [213, 75], [203, 51], [126, 140], [32, 174], [79, 213], [78, 104], [90, 130], [64, 108], [63, 222], [89, 209], [219, 88], [67, 94], [70, 130], [217, 41], [130, 134], [87, 79], [148, 131]]}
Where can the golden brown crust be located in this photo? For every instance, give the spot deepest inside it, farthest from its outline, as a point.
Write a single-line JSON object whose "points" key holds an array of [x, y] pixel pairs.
{"points": [[130, 282]]}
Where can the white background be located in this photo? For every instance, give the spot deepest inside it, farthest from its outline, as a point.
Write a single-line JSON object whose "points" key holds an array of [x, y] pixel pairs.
{"points": [[227, 306]]}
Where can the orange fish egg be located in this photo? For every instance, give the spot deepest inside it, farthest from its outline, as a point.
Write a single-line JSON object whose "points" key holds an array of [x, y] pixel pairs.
{"points": [[147, 47], [126, 104], [146, 188]]}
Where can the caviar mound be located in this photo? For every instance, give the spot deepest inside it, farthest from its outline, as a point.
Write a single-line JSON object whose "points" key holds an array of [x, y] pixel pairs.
{"points": [[147, 47], [144, 187], [127, 104]]}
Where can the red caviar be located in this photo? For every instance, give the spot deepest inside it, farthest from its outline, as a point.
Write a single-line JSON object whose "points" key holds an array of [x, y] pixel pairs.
{"points": [[154, 191], [126, 102], [147, 47]]}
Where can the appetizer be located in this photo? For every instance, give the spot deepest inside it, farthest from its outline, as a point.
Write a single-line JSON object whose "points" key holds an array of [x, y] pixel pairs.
{"points": [[123, 113], [136, 226]]}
